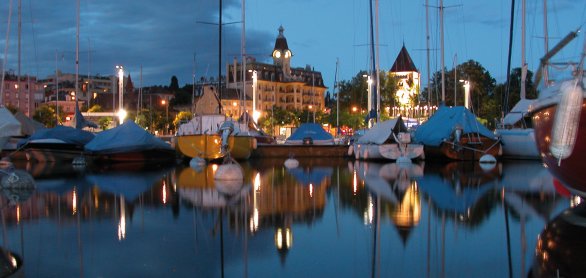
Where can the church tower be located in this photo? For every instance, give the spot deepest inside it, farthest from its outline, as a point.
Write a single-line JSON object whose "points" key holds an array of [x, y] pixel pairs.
{"points": [[282, 54]]}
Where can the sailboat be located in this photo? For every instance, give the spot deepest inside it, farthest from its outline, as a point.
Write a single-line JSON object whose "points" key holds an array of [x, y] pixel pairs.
{"points": [[559, 119], [212, 136], [516, 130]]}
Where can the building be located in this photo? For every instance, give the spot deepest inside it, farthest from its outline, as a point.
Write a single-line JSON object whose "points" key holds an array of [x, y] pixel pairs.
{"points": [[278, 84], [408, 77], [22, 93]]}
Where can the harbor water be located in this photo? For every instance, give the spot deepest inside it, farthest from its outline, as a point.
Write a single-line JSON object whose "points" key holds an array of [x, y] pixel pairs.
{"points": [[323, 218]]}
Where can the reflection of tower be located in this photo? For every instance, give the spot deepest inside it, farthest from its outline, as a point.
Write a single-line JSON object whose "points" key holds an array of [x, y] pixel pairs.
{"points": [[282, 54], [284, 237]]}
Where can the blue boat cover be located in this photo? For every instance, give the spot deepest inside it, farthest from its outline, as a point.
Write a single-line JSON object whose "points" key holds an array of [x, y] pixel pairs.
{"points": [[127, 137], [64, 133], [310, 130], [314, 176], [441, 125]]}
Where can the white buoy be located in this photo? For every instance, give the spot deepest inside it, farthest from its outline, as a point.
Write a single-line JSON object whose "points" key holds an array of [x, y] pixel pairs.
{"points": [[229, 178], [488, 159], [291, 163], [197, 163]]}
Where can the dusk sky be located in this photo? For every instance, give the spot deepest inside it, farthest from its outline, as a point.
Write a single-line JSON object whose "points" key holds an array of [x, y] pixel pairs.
{"points": [[164, 36]]}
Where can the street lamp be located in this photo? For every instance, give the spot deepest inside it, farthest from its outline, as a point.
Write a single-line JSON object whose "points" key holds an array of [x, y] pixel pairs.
{"points": [[121, 112], [166, 103], [466, 93]]}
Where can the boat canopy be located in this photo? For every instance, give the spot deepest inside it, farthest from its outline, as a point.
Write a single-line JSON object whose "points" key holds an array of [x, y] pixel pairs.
{"points": [[62, 133], [382, 131], [441, 125], [202, 124], [9, 125], [310, 131], [28, 125], [520, 110], [126, 137]]}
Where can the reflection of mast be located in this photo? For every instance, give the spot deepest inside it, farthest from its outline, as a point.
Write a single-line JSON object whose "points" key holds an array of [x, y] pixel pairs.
{"points": [[376, 249]]}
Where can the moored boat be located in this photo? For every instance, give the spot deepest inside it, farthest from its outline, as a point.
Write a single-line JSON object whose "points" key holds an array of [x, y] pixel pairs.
{"points": [[561, 133], [389, 140], [59, 144], [211, 137], [128, 143], [455, 133], [517, 133]]}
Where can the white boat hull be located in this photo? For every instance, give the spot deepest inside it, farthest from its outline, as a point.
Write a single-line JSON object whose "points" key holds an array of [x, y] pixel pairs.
{"points": [[387, 151], [519, 143]]}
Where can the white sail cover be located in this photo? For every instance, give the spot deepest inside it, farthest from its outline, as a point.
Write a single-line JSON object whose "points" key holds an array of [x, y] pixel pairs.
{"points": [[380, 132], [127, 137], [9, 125], [204, 124], [519, 110]]}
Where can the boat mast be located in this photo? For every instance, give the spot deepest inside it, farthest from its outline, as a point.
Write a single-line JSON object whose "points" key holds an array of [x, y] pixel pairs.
{"points": [[377, 69], [77, 64], [337, 98], [441, 14], [373, 69], [220, 58], [18, 90], [523, 62], [429, 102], [546, 43], [5, 53], [508, 84], [243, 65]]}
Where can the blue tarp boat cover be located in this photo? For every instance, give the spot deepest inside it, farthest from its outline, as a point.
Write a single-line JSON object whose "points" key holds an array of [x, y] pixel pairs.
{"points": [[64, 133], [127, 137], [441, 125], [310, 130]]}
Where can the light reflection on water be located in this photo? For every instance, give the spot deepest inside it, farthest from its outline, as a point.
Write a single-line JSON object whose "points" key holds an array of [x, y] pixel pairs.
{"points": [[325, 218]]}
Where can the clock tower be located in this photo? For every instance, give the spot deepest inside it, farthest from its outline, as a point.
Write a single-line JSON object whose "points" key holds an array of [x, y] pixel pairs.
{"points": [[282, 54]]}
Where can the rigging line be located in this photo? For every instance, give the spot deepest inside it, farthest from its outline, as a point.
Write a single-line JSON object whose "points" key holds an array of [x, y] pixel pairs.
{"points": [[508, 82], [34, 37], [5, 53]]}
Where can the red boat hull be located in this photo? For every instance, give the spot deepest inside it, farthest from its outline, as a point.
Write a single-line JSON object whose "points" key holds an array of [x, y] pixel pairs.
{"points": [[572, 170]]}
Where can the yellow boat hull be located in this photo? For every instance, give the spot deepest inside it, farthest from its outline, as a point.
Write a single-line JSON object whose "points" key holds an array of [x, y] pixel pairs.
{"points": [[209, 146]]}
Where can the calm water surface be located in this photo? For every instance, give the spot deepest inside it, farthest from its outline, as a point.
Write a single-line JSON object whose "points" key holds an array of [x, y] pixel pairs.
{"points": [[326, 218]]}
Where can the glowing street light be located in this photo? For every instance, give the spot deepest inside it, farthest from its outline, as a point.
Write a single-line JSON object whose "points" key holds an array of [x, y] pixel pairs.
{"points": [[121, 113], [166, 103], [466, 93]]}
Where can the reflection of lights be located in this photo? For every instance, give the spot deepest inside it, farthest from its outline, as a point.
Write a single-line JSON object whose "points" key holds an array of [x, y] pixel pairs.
{"points": [[164, 192], [575, 201], [18, 214], [121, 115], [409, 210], [254, 221], [214, 168], [355, 182], [283, 238], [74, 202], [257, 182], [310, 190], [122, 223], [13, 261], [369, 213]]}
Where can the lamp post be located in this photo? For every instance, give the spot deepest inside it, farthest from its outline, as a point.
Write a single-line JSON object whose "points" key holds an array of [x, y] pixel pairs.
{"points": [[166, 103], [121, 111], [466, 93]]}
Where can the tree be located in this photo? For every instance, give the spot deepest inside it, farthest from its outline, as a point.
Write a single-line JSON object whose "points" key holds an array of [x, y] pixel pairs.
{"points": [[46, 115], [482, 86], [174, 86], [181, 118]]}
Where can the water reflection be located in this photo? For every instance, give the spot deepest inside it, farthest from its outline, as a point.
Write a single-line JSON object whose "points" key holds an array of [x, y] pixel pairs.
{"points": [[561, 250], [324, 218]]}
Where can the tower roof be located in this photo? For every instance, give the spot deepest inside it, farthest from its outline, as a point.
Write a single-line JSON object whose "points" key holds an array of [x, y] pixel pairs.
{"points": [[403, 62], [281, 42]]}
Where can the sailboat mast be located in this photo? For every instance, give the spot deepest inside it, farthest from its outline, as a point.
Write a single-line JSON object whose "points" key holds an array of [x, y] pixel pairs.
{"points": [[373, 61], [220, 58], [376, 68], [523, 62], [5, 53], [243, 64], [429, 102], [19, 48], [337, 98], [77, 56], [441, 16], [546, 43]]}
